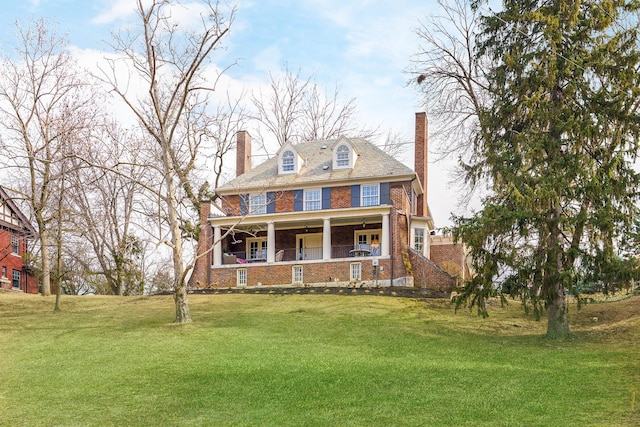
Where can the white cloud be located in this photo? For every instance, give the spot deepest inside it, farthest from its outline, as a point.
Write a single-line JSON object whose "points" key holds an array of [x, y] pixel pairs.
{"points": [[117, 11], [185, 16]]}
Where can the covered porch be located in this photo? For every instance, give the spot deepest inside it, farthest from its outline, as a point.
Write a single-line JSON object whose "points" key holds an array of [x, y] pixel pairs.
{"points": [[313, 236]]}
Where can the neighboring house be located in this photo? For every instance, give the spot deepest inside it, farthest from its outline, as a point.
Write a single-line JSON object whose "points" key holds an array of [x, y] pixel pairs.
{"points": [[15, 232], [326, 213]]}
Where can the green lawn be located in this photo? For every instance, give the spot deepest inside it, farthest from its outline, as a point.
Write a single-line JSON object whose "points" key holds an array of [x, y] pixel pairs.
{"points": [[311, 360]]}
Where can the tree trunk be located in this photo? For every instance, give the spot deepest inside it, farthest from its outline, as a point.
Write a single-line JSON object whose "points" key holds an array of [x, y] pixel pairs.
{"points": [[183, 314], [558, 321], [57, 308], [45, 263]]}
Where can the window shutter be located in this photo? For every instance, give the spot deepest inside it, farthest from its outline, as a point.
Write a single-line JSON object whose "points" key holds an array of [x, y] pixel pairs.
{"points": [[271, 202], [355, 196], [298, 198], [326, 198], [384, 194], [244, 202]]}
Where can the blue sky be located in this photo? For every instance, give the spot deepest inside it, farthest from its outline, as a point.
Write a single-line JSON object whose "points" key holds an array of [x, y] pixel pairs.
{"points": [[363, 46]]}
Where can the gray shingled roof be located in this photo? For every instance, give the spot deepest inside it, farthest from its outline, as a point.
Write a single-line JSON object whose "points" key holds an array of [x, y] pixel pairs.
{"points": [[317, 168]]}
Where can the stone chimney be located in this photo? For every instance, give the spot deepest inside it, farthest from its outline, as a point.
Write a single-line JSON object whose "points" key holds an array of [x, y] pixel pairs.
{"points": [[243, 152], [421, 160]]}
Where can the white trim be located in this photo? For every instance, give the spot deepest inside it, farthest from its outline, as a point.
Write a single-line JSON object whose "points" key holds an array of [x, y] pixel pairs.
{"points": [[351, 275], [305, 216], [241, 276], [261, 206], [304, 198], [297, 160], [261, 251], [301, 254], [362, 187], [293, 275]]}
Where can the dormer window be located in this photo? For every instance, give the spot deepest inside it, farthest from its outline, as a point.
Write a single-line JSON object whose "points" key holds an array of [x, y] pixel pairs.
{"points": [[342, 156], [288, 161]]}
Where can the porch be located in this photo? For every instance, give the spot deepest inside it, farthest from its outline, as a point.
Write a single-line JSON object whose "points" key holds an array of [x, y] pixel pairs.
{"points": [[301, 236]]}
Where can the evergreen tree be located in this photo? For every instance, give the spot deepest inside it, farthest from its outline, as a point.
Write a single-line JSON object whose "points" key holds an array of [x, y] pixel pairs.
{"points": [[557, 146]]}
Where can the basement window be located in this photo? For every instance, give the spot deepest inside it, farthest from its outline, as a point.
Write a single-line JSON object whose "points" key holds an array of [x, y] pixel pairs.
{"points": [[297, 278], [241, 278], [355, 271]]}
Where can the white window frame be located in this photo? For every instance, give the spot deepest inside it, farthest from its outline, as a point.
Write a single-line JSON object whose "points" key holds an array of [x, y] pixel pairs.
{"points": [[355, 271], [418, 240], [369, 199], [16, 276], [366, 237], [290, 165], [257, 204], [241, 277], [15, 244], [314, 204], [260, 250], [341, 161], [297, 275]]}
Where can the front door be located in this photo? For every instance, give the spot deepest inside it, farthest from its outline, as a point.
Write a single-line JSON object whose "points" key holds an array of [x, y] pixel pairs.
{"points": [[309, 246]]}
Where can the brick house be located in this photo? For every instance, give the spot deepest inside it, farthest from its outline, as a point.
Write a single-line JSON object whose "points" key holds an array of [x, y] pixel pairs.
{"points": [[326, 213], [15, 233]]}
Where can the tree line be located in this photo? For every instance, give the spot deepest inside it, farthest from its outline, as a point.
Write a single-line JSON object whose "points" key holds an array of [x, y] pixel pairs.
{"points": [[113, 163]]}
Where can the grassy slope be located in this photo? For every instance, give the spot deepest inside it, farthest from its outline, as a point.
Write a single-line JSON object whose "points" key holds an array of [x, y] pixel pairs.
{"points": [[311, 360]]}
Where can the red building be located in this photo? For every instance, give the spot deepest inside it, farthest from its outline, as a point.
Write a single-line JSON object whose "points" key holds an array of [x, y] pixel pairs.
{"points": [[326, 213], [15, 233]]}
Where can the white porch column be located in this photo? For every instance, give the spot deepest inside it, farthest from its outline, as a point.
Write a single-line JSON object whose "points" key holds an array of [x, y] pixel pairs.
{"points": [[326, 238], [384, 243], [271, 242], [217, 246]]}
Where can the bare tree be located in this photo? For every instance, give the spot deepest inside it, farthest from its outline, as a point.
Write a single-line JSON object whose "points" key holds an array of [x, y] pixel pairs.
{"points": [[168, 59], [43, 102], [296, 109], [104, 203], [449, 77]]}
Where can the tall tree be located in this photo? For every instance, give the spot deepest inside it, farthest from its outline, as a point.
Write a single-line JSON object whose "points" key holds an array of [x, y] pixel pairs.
{"points": [[560, 134], [168, 58], [39, 88], [104, 202]]}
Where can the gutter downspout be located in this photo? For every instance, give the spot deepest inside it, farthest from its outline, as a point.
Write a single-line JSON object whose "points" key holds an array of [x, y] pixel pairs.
{"points": [[391, 226], [208, 259]]}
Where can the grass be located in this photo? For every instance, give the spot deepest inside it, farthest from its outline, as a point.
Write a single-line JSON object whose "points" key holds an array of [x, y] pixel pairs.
{"points": [[311, 360]]}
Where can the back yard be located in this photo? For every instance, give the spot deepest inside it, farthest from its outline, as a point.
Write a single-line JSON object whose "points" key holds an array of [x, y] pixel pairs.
{"points": [[312, 360]]}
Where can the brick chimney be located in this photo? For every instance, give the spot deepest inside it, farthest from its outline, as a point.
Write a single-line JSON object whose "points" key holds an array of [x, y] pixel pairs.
{"points": [[243, 152], [421, 160]]}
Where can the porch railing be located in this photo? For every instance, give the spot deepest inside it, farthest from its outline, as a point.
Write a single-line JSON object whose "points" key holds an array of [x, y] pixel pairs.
{"points": [[293, 254]]}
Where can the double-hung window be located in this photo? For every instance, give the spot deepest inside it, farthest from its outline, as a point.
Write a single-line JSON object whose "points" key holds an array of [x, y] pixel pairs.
{"points": [[15, 244], [15, 278], [418, 240], [370, 195], [258, 204], [312, 200]]}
